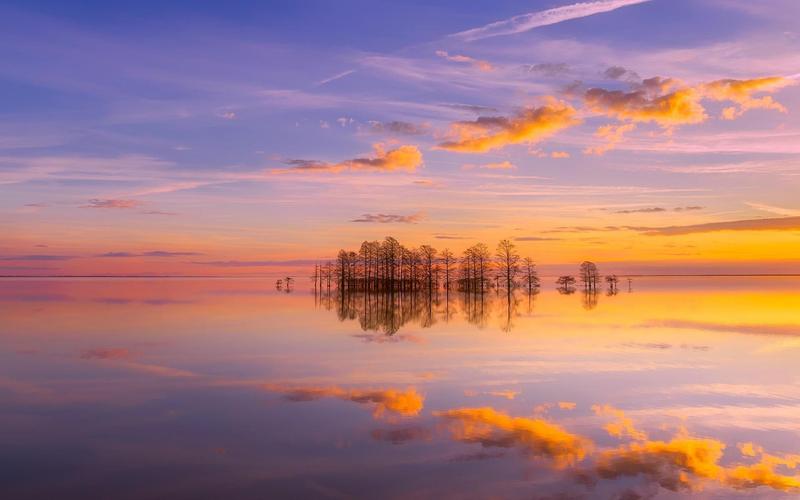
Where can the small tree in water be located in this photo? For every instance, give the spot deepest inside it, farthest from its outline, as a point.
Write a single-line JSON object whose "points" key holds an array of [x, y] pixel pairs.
{"points": [[531, 277], [589, 275]]}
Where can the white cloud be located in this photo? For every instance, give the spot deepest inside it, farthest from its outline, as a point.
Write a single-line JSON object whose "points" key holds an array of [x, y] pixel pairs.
{"points": [[531, 20]]}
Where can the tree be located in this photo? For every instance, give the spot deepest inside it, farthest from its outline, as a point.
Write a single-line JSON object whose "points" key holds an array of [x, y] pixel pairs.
{"points": [[447, 259], [428, 255], [612, 281], [530, 275], [508, 263], [566, 284], [589, 275], [565, 280], [481, 256]]}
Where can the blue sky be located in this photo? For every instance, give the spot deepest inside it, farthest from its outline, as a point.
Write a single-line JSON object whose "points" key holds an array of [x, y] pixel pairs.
{"points": [[194, 114]]}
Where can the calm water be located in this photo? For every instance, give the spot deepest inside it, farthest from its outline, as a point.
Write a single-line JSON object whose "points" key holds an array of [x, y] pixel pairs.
{"points": [[226, 388]]}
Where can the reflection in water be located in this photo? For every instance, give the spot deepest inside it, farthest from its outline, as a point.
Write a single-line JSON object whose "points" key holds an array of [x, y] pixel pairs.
{"points": [[682, 463], [389, 312], [405, 403], [230, 388]]}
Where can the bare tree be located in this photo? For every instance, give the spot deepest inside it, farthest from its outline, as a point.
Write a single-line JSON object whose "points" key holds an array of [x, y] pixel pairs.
{"points": [[589, 275], [508, 264], [447, 260], [531, 276], [428, 255], [612, 281], [566, 284], [481, 256]]}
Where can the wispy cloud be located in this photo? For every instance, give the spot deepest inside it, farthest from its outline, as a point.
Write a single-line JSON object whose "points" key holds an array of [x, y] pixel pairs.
{"points": [[390, 218], [532, 20], [458, 58], [787, 212], [153, 253], [450, 237], [258, 263], [335, 77], [500, 165], [403, 158], [111, 203], [535, 238], [38, 257], [778, 224], [646, 210], [398, 128]]}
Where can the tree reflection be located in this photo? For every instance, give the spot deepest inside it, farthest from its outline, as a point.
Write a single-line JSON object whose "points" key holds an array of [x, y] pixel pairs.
{"points": [[389, 312], [589, 299]]}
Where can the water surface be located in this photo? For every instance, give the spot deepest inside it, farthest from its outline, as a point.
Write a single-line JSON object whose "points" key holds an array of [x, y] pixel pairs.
{"points": [[228, 388]]}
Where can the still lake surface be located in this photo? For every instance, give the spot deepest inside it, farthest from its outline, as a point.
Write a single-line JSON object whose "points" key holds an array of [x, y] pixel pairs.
{"points": [[228, 388]]}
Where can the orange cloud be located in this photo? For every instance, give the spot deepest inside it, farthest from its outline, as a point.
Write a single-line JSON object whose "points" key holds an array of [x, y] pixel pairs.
{"points": [[403, 158], [612, 134], [623, 426], [559, 154], [406, 403], [665, 102], [476, 63], [536, 437], [763, 472], [682, 463], [741, 92], [528, 126], [674, 465]]}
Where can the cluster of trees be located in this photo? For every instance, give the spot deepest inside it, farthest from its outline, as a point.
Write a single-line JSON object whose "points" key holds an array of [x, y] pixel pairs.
{"points": [[388, 266]]}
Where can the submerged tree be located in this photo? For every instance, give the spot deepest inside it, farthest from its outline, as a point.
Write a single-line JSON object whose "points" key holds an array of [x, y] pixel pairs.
{"points": [[447, 260], [566, 284], [612, 282], [508, 264], [589, 275], [530, 275], [429, 264]]}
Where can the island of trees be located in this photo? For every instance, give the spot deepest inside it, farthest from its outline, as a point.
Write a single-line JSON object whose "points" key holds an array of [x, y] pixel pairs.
{"points": [[388, 266], [385, 284]]}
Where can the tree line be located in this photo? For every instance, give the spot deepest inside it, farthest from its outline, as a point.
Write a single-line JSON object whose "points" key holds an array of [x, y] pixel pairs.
{"points": [[389, 266]]}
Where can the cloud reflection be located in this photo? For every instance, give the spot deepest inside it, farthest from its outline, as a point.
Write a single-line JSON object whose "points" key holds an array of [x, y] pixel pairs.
{"points": [[408, 403], [536, 437]]}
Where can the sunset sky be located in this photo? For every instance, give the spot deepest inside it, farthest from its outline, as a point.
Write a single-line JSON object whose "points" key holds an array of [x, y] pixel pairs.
{"points": [[211, 138]]}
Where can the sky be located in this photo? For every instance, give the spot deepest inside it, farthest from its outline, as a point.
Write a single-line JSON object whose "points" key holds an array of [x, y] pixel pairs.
{"points": [[208, 138]]}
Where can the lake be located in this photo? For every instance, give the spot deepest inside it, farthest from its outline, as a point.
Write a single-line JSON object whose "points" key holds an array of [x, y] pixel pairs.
{"points": [[229, 388]]}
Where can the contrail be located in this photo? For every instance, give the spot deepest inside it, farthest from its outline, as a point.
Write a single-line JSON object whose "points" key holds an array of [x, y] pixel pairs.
{"points": [[531, 20], [336, 77]]}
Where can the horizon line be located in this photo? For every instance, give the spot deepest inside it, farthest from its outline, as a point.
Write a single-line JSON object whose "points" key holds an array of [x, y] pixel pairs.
{"points": [[160, 276]]}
